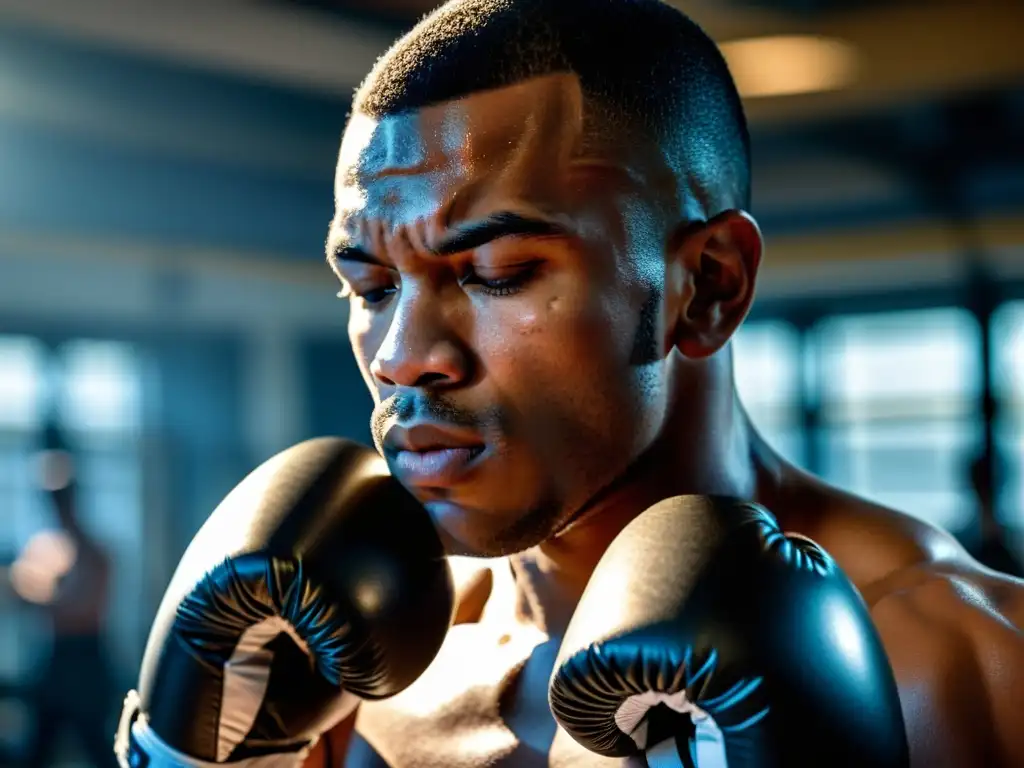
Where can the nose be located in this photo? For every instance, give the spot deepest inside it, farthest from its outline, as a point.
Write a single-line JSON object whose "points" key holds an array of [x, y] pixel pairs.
{"points": [[421, 349]]}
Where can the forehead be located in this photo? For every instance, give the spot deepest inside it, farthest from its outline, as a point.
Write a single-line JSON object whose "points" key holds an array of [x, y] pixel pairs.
{"points": [[468, 157]]}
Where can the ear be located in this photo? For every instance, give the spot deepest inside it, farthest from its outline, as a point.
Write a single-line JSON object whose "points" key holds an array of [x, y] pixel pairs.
{"points": [[712, 271]]}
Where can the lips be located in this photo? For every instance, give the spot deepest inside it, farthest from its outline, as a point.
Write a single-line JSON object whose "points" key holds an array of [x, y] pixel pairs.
{"points": [[431, 456], [435, 468]]}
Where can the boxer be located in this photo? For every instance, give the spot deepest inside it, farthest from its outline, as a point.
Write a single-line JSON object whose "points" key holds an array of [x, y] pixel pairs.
{"points": [[542, 232]]}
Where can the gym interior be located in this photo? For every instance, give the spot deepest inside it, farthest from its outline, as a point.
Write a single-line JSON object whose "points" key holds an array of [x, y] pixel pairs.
{"points": [[165, 189]]}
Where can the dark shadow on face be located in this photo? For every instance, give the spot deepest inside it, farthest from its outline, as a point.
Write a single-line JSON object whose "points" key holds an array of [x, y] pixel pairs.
{"points": [[646, 344]]}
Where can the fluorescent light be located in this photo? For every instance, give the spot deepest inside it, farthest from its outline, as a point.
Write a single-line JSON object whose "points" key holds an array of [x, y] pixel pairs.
{"points": [[789, 65]]}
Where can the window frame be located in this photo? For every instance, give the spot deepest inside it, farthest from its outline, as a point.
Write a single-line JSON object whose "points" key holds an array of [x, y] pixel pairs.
{"points": [[806, 312]]}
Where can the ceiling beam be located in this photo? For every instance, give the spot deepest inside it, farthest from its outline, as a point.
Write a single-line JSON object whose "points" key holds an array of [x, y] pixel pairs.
{"points": [[292, 46], [921, 49]]}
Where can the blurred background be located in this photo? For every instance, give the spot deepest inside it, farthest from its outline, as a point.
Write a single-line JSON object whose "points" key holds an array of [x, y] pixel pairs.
{"points": [[166, 317]]}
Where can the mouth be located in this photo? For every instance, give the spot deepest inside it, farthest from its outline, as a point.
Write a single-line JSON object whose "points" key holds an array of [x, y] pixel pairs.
{"points": [[436, 467], [430, 456]]}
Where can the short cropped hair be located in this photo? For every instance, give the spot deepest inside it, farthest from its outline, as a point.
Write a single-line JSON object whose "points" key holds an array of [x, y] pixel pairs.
{"points": [[639, 62]]}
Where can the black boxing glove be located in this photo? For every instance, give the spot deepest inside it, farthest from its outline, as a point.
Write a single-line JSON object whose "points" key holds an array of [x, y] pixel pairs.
{"points": [[317, 582], [707, 637]]}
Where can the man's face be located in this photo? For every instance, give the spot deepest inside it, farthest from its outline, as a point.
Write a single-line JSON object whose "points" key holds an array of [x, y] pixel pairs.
{"points": [[503, 272]]}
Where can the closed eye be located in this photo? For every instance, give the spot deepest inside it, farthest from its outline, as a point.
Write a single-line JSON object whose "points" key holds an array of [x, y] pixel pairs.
{"points": [[370, 284], [378, 295], [506, 285]]}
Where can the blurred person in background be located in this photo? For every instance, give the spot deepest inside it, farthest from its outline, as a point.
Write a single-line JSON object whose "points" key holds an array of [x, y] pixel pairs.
{"points": [[988, 543], [66, 573]]}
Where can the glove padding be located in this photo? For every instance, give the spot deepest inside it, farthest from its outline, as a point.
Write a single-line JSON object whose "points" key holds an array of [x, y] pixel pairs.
{"points": [[318, 581], [706, 637]]}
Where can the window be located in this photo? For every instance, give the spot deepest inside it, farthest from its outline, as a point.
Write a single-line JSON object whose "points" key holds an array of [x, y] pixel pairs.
{"points": [[1008, 383], [96, 391], [899, 409], [767, 364], [100, 391], [99, 402], [23, 374], [22, 382]]}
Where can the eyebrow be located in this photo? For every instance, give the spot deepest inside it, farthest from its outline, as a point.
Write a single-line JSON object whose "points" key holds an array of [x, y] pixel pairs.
{"points": [[496, 227], [339, 252], [466, 237]]}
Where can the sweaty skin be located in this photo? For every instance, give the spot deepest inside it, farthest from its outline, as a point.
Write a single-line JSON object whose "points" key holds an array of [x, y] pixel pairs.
{"points": [[540, 349], [500, 356]]}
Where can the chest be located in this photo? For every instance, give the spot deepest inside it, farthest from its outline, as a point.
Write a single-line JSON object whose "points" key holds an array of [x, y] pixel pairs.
{"points": [[483, 702]]}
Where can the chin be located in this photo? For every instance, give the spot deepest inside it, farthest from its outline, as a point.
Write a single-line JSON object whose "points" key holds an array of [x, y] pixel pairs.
{"points": [[460, 528], [474, 532]]}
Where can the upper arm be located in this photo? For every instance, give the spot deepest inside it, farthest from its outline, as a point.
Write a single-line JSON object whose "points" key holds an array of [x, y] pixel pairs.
{"points": [[958, 657], [1000, 658]]}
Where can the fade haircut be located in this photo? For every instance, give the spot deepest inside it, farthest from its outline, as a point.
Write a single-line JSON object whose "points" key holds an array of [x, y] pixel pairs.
{"points": [[642, 65]]}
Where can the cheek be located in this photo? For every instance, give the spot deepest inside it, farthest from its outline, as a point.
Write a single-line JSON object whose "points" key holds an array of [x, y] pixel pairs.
{"points": [[358, 332], [545, 333], [365, 339], [567, 350]]}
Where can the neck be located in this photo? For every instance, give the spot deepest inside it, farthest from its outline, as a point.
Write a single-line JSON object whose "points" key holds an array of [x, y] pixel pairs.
{"points": [[707, 446]]}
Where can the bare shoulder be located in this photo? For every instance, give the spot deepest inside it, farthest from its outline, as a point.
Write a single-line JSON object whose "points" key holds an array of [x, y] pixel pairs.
{"points": [[890, 554], [869, 541], [904, 566], [953, 630], [964, 594]]}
